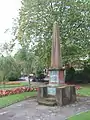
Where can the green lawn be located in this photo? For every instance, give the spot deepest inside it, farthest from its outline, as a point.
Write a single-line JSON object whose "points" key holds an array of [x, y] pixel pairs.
{"points": [[13, 86], [82, 116], [8, 100], [85, 90]]}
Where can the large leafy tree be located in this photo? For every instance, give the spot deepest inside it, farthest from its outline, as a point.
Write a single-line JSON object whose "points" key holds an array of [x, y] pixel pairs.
{"points": [[36, 22]]}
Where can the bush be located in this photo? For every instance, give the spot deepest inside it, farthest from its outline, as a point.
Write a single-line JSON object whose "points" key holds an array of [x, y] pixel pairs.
{"points": [[86, 73], [70, 75], [13, 76], [79, 76], [83, 76], [39, 71]]}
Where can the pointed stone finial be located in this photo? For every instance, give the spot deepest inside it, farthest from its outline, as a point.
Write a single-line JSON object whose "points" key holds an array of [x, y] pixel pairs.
{"points": [[56, 53]]}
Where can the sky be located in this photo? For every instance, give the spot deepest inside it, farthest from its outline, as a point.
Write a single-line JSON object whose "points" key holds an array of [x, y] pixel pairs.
{"points": [[9, 9]]}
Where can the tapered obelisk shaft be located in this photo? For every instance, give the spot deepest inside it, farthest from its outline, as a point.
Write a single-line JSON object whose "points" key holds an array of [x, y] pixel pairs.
{"points": [[55, 52], [56, 72]]}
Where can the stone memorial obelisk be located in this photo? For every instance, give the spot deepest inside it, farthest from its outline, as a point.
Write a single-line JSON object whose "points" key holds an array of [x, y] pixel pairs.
{"points": [[56, 93], [56, 72]]}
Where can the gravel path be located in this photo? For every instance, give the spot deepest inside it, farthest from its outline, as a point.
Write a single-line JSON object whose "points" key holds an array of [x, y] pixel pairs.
{"points": [[30, 110]]}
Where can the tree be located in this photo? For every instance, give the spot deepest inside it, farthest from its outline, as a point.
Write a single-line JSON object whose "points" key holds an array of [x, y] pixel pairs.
{"points": [[27, 60], [36, 21], [7, 66]]}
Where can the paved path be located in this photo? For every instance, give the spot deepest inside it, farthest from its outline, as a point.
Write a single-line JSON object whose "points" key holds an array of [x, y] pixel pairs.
{"points": [[30, 110]]}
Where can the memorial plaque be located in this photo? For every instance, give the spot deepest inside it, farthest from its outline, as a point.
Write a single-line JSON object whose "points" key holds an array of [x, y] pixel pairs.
{"points": [[51, 91], [54, 77], [54, 80]]}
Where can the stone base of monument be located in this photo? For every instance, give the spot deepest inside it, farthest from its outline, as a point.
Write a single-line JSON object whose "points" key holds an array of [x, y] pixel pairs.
{"points": [[64, 95], [47, 101], [43, 98]]}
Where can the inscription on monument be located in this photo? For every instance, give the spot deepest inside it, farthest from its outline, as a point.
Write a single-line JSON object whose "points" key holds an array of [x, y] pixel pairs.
{"points": [[51, 91], [54, 77], [54, 80]]}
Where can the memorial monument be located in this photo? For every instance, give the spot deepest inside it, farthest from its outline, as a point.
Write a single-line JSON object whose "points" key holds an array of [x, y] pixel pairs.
{"points": [[56, 92], [56, 72]]}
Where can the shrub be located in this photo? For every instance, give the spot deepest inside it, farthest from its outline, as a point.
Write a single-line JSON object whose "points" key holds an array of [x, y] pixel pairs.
{"points": [[86, 73], [79, 76], [70, 75], [83, 76], [13, 76]]}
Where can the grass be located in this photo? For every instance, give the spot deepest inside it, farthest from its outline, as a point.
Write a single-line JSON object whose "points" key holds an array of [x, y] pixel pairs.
{"points": [[13, 86], [82, 116], [85, 90], [8, 100]]}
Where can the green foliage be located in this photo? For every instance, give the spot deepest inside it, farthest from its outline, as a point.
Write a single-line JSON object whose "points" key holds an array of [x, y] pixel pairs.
{"points": [[83, 76], [39, 71], [8, 66], [36, 22], [27, 60], [86, 73], [86, 69], [70, 75], [79, 76], [13, 75]]}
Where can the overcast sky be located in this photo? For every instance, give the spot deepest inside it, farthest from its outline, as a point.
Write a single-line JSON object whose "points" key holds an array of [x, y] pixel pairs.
{"points": [[8, 10]]}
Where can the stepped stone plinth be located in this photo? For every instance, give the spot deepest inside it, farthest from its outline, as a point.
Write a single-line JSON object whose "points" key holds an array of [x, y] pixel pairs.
{"points": [[65, 95]]}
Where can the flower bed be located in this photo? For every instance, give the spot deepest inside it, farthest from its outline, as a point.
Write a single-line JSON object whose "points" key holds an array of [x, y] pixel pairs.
{"points": [[16, 91], [78, 87], [23, 89]]}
